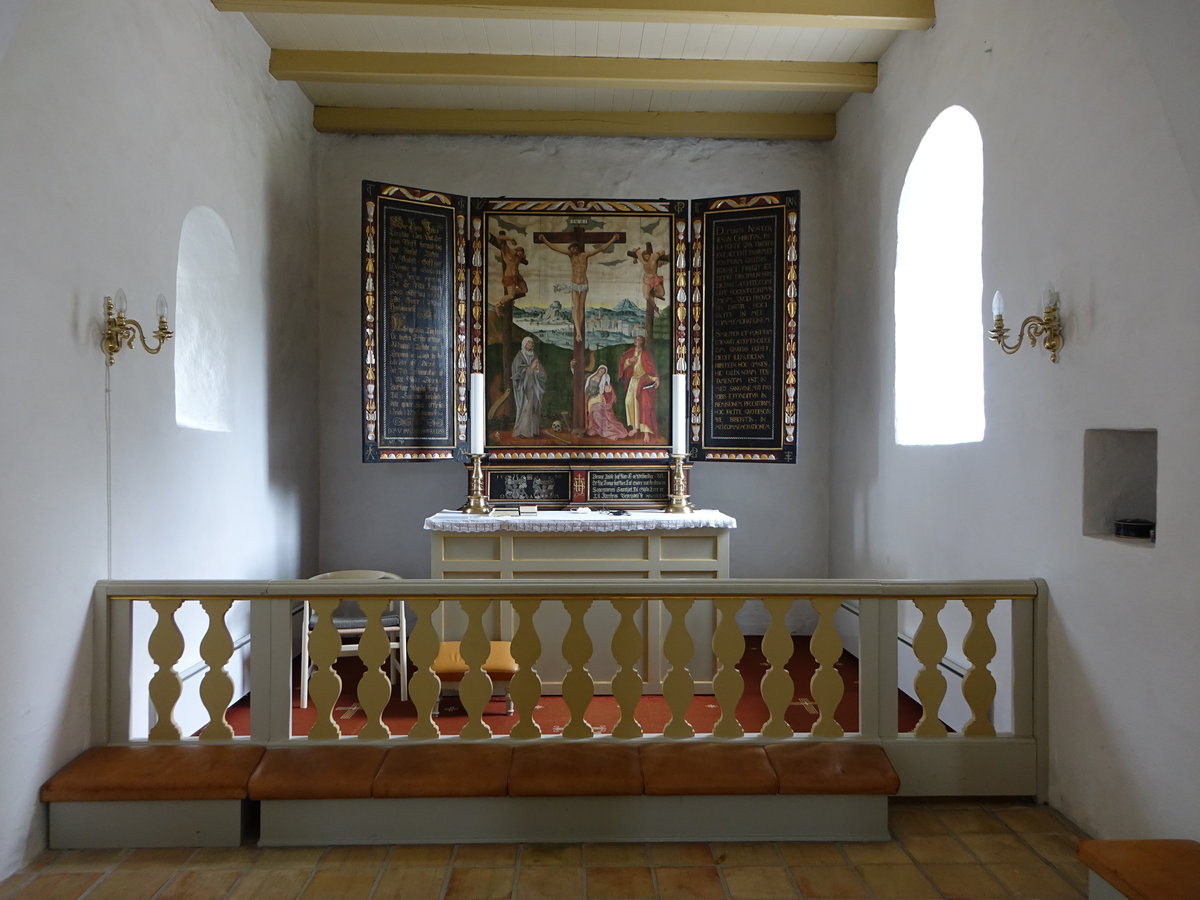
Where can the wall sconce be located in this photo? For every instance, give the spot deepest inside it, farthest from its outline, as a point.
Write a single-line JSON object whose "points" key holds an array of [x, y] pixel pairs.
{"points": [[120, 331], [1047, 327]]}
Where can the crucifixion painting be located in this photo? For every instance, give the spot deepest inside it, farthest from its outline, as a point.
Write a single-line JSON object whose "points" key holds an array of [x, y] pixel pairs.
{"points": [[573, 336]]}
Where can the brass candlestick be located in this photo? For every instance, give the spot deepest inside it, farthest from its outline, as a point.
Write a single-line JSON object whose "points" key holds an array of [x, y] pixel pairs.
{"points": [[678, 501], [476, 501]]}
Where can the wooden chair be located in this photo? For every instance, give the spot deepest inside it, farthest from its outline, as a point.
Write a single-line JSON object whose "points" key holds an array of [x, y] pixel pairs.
{"points": [[350, 624]]}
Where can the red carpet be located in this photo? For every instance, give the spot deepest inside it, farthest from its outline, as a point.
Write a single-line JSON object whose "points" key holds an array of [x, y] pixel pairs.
{"points": [[652, 711]]}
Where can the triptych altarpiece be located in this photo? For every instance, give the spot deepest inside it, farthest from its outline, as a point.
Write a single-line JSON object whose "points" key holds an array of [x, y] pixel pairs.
{"points": [[577, 313]]}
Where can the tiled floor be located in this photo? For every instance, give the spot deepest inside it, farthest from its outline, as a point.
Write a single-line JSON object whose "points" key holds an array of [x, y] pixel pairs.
{"points": [[972, 850]]}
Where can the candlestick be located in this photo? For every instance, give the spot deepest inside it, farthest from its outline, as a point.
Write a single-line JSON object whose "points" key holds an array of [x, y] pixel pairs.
{"points": [[679, 415], [476, 414]]}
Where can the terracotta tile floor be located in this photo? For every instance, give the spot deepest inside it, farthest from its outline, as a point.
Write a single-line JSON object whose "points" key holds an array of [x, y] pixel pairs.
{"points": [[946, 849]]}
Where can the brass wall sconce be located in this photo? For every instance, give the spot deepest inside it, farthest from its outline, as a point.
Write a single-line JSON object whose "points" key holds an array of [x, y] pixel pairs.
{"points": [[1047, 327], [120, 331]]}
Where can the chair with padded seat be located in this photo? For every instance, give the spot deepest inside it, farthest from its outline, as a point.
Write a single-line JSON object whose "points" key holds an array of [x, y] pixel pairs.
{"points": [[350, 623], [450, 667]]}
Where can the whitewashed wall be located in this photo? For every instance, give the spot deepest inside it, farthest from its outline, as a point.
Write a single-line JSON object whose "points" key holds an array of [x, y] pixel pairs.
{"points": [[1086, 186], [371, 514], [116, 118]]}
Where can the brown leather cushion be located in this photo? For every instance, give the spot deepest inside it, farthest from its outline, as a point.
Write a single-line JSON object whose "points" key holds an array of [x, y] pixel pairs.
{"points": [[155, 772], [445, 770], [673, 769], [316, 773], [450, 666], [1147, 869], [565, 769], [832, 768]]}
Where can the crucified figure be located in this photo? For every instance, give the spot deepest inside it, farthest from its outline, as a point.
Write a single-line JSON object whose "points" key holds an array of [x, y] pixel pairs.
{"points": [[579, 257]]}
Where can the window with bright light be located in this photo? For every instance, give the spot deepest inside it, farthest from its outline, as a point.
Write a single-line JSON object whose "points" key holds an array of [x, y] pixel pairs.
{"points": [[939, 282], [204, 290]]}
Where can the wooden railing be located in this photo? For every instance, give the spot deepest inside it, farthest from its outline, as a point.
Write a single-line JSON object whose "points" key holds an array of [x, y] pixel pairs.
{"points": [[931, 761]]}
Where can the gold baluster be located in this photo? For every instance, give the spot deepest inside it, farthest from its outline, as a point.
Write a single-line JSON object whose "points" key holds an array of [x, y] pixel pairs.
{"points": [[777, 687], [374, 688], [525, 689], [216, 687], [929, 645], [979, 687], [424, 687], [475, 689], [627, 683], [165, 647], [325, 686], [678, 685], [826, 684], [728, 645], [577, 686]]}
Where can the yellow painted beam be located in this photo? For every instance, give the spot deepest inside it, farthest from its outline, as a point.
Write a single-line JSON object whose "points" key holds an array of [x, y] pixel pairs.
{"points": [[573, 72], [886, 14], [761, 126]]}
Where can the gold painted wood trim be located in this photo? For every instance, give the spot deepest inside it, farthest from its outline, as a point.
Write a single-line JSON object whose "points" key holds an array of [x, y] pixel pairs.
{"points": [[748, 126], [165, 646], [374, 686], [354, 67], [325, 685], [929, 646], [525, 689], [216, 687], [728, 685], [909, 15], [826, 685]]}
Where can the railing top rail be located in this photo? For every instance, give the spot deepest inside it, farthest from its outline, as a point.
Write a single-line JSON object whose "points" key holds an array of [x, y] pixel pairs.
{"points": [[606, 588]]}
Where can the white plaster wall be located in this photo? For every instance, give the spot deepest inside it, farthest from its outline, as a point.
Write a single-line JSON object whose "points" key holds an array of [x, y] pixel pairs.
{"points": [[1085, 187], [116, 118], [371, 514]]}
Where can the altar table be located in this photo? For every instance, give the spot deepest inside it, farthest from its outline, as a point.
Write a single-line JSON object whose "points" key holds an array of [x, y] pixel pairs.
{"points": [[566, 544]]}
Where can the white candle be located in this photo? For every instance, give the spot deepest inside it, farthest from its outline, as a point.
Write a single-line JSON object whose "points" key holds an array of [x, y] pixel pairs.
{"points": [[477, 414], [998, 304], [679, 415]]}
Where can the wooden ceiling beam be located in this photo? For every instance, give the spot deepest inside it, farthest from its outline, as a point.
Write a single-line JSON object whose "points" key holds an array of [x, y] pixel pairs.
{"points": [[350, 67], [885, 14], [746, 126]]}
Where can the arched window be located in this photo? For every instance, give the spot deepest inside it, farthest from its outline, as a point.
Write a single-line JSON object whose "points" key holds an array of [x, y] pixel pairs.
{"points": [[939, 282], [204, 290]]}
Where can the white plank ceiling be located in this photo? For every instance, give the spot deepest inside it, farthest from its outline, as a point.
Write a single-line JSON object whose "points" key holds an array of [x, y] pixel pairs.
{"points": [[696, 68]]}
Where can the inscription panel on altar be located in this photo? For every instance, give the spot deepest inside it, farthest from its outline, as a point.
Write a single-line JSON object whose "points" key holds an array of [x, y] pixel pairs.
{"points": [[624, 487]]}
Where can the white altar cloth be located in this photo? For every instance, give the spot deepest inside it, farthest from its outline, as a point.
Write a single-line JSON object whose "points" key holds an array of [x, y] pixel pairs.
{"points": [[449, 520]]}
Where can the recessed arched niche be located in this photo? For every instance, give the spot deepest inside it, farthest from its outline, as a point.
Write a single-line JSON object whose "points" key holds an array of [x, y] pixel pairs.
{"points": [[205, 283]]}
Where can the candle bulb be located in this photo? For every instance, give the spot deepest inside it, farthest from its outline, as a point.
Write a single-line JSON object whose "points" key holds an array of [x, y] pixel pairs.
{"points": [[679, 441], [161, 306], [476, 414], [998, 304]]}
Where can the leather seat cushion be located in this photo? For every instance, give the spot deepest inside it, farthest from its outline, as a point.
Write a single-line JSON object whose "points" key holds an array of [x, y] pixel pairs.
{"points": [[707, 768], [445, 770], [829, 767], [155, 772], [565, 769], [333, 772]]}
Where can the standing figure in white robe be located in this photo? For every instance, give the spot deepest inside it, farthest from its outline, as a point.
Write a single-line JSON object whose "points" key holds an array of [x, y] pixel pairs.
{"points": [[528, 385]]}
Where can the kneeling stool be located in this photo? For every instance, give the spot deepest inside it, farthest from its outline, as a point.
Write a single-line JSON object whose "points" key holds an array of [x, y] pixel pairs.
{"points": [[500, 666]]}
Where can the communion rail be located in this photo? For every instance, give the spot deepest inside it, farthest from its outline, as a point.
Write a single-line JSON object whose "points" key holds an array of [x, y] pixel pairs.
{"points": [[930, 760]]}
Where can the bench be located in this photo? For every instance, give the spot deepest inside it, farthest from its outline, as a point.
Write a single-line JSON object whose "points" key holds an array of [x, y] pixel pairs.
{"points": [[1142, 869], [153, 795], [475, 792]]}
